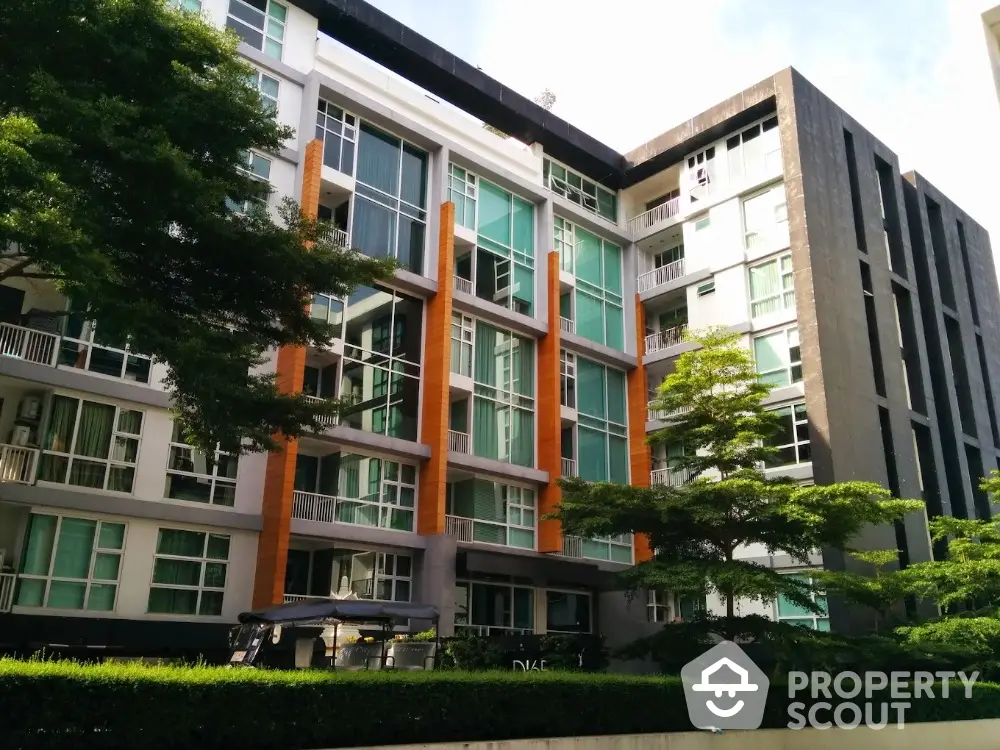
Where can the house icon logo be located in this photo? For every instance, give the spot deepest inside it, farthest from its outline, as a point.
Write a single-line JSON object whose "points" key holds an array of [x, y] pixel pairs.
{"points": [[724, 689]]}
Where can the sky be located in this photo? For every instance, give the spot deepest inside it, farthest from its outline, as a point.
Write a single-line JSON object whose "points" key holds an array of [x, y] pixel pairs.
{"points": [[915, 73]]}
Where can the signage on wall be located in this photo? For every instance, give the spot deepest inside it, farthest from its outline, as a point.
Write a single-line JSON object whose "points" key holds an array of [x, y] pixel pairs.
{"points": [[529, 665]]}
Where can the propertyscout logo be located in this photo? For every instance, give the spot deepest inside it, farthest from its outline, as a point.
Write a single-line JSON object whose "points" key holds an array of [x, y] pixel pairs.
{"points": [[725, 689]]}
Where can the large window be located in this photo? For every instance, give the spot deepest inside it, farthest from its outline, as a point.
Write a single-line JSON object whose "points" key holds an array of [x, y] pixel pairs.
{"points": [[462, 192], [494, 608], [71, 563], [602, 446], [497, 513], [778, 357], [793, 614], [198, 477], [567, 612], [599, 311], [565, 239], [380, 373], [192, 5], [791, 439], [390, 201], [189, 573], [342, 572], [462, 336], [82, 347], [356, 489], [90, 444], [578, 189], [765, 219], [327, 309], [259, 168], [657, 606], [505, 249], [268, 87], [772, 286], [755, 152], [259, 23], [567, 379], [503, 419], [337, 130]]}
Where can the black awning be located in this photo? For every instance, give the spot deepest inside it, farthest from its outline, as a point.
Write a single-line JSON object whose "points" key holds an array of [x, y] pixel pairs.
{"points": [[542, 568], [352, 610]]}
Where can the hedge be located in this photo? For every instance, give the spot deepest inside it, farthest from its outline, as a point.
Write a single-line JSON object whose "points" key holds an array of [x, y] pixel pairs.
{"points": [[119, 706]]}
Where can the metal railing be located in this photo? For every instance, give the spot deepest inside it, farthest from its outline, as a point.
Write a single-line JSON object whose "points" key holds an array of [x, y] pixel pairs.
{"points": [[661, 415], [362, 511], [18, 464], [669, 477], [28, 344], [458, 527], [7, 581], [654, 216], [572, 546], [484, 630], [340, 237], [327, 420], [569, 467], [660, 276], [665, 339], [463, 285], [458, 442], [567, 326]]}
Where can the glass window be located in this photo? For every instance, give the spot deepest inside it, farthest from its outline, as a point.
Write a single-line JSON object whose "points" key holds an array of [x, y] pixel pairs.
{"points": [[503, 418], [497, 513], [259, 168], [90, 444], [707, 288], [462, 192], [565, 238], [367, 575], [505, 252], [791, 439], [493, 608], [327, 309], [462, 338], [778, 357], [579, 190], [772, 286], [390, 217], [765, 218], [337, 130], [192, 5], [787, 611], [567, 612], [567, 379], [754, 153], [268, 87], [82, 347], [602, 443], [189, 573], [198, 477], [71, 563], [657, 609], [598, 295], [612, 548], [259, 23]]}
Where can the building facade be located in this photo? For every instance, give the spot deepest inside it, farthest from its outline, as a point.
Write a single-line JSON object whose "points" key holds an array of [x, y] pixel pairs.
{"points": [[541, 296]]}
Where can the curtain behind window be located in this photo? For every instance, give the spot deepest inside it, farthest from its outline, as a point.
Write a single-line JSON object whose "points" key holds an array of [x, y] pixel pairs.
{"points": [[378, 159]]}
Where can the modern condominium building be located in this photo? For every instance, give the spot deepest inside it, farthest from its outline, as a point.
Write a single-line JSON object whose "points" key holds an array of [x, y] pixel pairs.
{"points": [[541, 297]]}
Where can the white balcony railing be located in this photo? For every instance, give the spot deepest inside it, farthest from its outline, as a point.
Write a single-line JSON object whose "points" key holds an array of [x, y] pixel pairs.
{"points": [[458, 442], [7, 591], [670, 477], [458, 527], [356, 511], [341, 238], [659, 276], [569, 467], [566, 325], [463, 285], [654, 216], [572, 546], [28, 344], [661, 415], [18, 464], [326, 421], [665, 339]]}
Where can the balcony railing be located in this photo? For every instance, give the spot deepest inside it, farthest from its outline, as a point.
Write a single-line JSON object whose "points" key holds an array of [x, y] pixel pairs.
{"points": [[669, 477], [569, 467], [654, 216], [572, 546], [326, 421], [7, 591], [566, 325], [341, 238], [665, 339], [659, 276], [485, 630], [362, 511], [18, 464], [661, 415], [458, 442], [458, 527], [28, 344], [463, 285]]}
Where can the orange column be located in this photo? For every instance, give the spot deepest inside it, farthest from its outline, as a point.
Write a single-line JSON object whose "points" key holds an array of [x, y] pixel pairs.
{"points": [[640, 461], [279, 476], [550, 416], [436, 376]]}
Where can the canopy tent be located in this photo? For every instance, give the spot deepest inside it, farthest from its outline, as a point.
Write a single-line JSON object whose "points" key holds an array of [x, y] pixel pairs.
{"points": [[350, 610]]}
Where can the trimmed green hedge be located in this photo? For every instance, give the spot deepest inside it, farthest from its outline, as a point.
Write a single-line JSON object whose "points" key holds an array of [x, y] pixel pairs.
{"points": [[126, 706]]}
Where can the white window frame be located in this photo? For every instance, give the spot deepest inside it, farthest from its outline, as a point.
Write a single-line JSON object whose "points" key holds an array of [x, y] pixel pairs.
{"points": [[465, 327], [89, 581], [790, 333], [257, 167], [754, 237], [272, 29], [580, 195], [786, 281], [567, 372], [203, 560], [812, 619], [796, 443], [86, 344], [213, 479], [466, 187], [257, 81], [623, 541], [348, 133], [564, 237], [657, 606], [393, 578]]}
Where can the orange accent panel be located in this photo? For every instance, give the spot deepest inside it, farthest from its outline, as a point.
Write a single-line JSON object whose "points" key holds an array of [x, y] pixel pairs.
{"points": [[640, 460], [550, 416], [279, 475], [436, 384]]}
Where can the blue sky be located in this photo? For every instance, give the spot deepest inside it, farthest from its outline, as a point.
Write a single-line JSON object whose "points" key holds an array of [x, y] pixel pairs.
{"points": [[913, 72]]}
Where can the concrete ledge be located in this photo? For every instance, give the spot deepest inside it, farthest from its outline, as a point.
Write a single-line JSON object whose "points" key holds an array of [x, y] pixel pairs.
{"points": [[349, 437], [284, 70], [118, 505], [346, 532], [679, 283], [407, 281], [497, 315], [598, 352], [80, 381], [498, 469]]}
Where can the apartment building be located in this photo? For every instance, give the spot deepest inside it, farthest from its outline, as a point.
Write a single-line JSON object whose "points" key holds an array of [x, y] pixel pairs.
{"points": [[544, 284]]}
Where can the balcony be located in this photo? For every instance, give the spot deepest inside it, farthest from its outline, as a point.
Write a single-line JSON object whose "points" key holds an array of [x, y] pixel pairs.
{"points": [[18, 464], [340, 237], [7, 581], [458, 527], [363, 588], [566, 325], [326, 421], [665, 339], [669, 477], [652, 217], [19, 342], [360, 511], [662, 415], [568, 468], [458, 442], [572, 546], [660, 276], [463, 285]]}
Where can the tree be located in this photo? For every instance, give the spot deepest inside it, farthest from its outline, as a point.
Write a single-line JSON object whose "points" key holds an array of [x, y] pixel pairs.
{"points": [[882, 590], [546, 100], [125, 134], [726, 503]]}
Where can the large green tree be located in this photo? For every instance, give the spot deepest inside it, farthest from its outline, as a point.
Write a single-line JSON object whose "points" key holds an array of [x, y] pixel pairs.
{"points": [[726, 502], [124, 127]]}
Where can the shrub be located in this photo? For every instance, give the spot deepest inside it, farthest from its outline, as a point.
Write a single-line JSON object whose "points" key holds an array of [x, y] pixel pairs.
{"points": [[61, 705]]}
